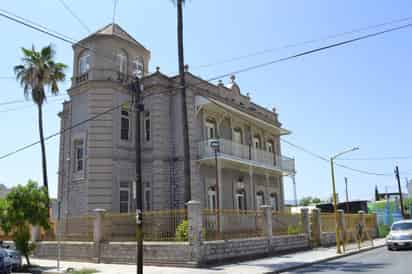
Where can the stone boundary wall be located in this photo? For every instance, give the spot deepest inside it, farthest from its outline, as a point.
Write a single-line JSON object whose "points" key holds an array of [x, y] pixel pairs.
{"points": [[172, 253], [220, 251], [165, 253]]}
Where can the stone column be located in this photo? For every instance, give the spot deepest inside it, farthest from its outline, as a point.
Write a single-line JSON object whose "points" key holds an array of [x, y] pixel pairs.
{"points": [[316, 227], [98, 235], [267, 220], [306, 222], [195, 218]]}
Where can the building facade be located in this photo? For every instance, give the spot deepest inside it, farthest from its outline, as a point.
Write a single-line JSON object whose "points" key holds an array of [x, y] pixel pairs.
{"points": [[97, 157]]}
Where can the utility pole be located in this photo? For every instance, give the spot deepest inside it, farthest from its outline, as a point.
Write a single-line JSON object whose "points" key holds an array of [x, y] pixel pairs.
{"points": [[347, 195], [400, 190], [295, 195], [138, 107], [186, 147]]}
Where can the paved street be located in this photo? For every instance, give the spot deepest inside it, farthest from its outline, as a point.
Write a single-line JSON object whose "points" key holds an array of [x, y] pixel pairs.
{"points": [[376, 261]]}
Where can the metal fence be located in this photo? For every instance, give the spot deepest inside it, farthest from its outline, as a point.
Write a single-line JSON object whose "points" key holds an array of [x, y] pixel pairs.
{"points": [[164, 225], [328, 222], [286, 223], [233, 224], [77, 228]]}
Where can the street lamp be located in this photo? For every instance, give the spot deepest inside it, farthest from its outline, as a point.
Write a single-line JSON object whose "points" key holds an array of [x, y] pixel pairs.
{"points": [[215, 145], [335, 206]]}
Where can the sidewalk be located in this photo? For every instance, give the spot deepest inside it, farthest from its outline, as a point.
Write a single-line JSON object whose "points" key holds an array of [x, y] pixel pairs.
{"points": [[267, 265]]}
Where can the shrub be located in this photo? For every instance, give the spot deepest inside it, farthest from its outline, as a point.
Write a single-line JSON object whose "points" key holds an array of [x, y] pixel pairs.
{"points": [[294, 229], [383, 230], [182, 231]]}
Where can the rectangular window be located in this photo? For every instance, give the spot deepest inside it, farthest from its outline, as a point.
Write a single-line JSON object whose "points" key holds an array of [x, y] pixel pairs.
{"points": [[147, 126], [125, 125], [78, 155], [211, 131], [124, 197]]}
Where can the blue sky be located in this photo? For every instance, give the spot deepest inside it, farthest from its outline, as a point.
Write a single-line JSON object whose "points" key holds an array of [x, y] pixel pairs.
{"points": [[356, 95]]}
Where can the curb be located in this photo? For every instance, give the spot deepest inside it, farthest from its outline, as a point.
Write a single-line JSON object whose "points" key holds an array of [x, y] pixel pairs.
{"points": [[303, 265]]}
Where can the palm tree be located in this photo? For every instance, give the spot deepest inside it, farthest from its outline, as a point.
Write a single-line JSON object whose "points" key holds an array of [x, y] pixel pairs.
{"points": [[37, 72], [186, 145]]}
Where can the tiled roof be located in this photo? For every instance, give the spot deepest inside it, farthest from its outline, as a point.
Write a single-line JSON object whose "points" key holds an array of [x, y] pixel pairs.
{"points": [[116, 30]]}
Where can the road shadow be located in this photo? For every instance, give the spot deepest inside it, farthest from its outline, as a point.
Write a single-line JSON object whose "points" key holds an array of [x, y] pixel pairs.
{"points": [[333, 266]]}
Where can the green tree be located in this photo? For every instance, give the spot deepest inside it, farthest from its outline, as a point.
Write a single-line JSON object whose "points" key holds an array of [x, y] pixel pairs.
{"points": [[186, 146], [25, 206], [4, 221], [37, 73], [305, 201]]}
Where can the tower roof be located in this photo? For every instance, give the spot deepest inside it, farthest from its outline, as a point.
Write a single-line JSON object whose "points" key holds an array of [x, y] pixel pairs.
{"points": [[115, 30]]}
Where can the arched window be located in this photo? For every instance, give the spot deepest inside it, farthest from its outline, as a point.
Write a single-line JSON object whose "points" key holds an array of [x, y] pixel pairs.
{"points": [[84, 62], [256, 141], [211, 198], [138, 67], [269, 146], [237, 135], [260, 199], [121, 58], [274, 201]]}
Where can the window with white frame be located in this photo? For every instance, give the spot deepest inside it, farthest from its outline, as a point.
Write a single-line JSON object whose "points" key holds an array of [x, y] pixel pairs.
{"points": [[241, 199], [274, 201], [147, 133], [84, 62], [124, 197], [237, 135], [78, 155], [211, 198], [269, 147], [260, 199], [211, 129], [122, 61], [138, 67], [147, 196], [125, 124]]}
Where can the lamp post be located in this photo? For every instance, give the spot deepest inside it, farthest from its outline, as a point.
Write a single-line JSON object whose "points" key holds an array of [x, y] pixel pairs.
{"points": [[335, 206], [215, 145]]}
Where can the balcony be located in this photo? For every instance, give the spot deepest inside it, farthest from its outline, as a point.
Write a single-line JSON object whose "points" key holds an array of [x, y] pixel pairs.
{"points": [[247, 155]]}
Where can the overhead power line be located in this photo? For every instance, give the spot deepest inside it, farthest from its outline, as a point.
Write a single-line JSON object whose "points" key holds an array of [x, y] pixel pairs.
{"points": [[306, 42], [334, 45], [325, 159], [37, 27], [78, 19], [377, 158]]}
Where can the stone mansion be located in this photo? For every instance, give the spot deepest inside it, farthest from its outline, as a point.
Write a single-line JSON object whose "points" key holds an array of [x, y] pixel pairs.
{"points": [[97, 158]]}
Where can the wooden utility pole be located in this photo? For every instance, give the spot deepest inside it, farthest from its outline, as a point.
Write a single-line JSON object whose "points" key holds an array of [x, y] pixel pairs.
{"points": [[138, 107], [186, 146], [400, 191]]}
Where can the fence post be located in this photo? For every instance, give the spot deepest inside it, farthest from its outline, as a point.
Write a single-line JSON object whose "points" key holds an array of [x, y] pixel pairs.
{"points": [[316, 227], [195, 218], [98, 235], [306, 222], [267, 220]]}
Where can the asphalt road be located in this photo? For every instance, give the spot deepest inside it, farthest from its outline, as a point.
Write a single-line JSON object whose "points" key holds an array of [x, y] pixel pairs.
{"points": [[376, 261]]}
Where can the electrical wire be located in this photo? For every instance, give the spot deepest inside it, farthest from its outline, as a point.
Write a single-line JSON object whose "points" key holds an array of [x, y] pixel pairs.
{"points": [[302, 43], [78, 19]]}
